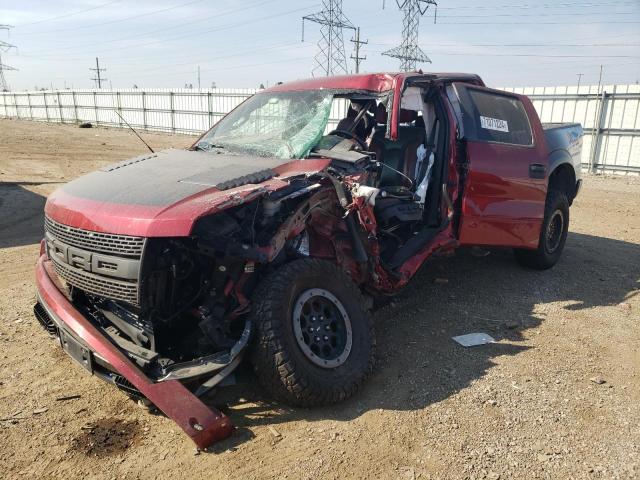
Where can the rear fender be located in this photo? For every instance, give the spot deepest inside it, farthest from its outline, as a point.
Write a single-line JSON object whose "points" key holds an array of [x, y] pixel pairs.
{"points": [[562, 174]]}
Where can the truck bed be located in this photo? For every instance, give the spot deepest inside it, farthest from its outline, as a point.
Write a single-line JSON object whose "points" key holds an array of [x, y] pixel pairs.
{"points": [[553, 126], [565, 137]]}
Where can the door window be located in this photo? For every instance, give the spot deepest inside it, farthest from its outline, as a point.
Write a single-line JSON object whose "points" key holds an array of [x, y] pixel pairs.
{"points": [[497, 118]]}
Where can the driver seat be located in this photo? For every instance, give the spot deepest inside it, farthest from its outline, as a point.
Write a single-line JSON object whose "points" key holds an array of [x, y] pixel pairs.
{"points": [[398, 154]]}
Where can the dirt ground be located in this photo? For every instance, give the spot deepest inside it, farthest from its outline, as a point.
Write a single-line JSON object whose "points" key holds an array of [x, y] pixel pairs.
{"points": [[557, 396]]}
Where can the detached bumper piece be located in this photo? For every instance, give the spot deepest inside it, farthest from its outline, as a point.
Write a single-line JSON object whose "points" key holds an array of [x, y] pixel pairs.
{"points": [[91, 349]]}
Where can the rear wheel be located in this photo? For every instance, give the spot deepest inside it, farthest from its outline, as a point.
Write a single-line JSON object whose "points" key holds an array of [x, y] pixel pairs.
{"points": [[315, 340], [553, 234]]}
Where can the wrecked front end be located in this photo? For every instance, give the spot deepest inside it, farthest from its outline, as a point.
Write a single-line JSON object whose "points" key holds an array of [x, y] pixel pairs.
{"points": [[165, 319], [86, 343]]}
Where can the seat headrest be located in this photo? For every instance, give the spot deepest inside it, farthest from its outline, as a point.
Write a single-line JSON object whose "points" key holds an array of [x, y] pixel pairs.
{"points": [[381, 114], [407, 116]]}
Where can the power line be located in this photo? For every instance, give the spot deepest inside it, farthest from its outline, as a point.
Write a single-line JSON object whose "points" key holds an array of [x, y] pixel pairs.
{"points": [[547, 45], [98, 79], [409, 53], [181, 59], [191, 33], [231, 67], [69, 14], [357, 42], [477, 54], [539, 5], [110, 22], [542, 23], [571, 14], [330, 59], [151, 32], [217, 57]]}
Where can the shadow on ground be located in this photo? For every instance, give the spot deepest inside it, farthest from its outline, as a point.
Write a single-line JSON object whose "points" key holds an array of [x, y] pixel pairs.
{"points": [[21, 214], [419, 364]]}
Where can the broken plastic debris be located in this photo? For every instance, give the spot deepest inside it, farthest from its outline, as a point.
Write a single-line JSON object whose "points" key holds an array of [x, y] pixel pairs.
{"points": [[474, 339]]}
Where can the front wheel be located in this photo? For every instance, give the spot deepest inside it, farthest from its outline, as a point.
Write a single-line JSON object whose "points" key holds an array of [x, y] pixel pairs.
{"points": [[553, 234], [315, 341]]}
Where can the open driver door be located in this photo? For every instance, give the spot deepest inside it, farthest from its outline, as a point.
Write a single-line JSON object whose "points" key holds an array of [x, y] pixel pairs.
{"points": [[505, 184]]}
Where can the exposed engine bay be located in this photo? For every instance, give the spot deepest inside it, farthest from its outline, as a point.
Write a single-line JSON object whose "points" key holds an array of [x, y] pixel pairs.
{"points": [[190, 319]]}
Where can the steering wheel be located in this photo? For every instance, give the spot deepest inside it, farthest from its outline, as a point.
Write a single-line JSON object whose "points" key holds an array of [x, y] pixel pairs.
{"points": [[349, 135]]}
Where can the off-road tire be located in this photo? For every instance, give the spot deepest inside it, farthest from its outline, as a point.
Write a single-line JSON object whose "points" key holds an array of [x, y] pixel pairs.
{"points": [[280, 365], [544, 257]]}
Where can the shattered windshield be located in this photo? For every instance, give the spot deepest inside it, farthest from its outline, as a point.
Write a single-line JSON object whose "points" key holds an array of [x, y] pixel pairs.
{"points": [[283, 124]]}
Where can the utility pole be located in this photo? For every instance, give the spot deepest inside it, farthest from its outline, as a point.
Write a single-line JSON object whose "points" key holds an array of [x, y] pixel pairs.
{"points": [[330, 59], [409, 53], [98, 79], [595, 131], [600, 79], [579, 78], [5, 47], [198, 77], [357, 43]]}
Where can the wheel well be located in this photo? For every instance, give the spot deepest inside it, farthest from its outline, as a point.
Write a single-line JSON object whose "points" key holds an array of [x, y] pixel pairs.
{"points": [[563, 178]]}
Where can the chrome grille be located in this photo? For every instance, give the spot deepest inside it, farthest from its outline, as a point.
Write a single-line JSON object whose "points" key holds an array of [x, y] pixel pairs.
{"points": [[123, 245], [97, 284]]}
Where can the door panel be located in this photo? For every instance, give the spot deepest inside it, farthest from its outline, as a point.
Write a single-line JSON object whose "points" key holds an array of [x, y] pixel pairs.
{"points": [[506, 183]]}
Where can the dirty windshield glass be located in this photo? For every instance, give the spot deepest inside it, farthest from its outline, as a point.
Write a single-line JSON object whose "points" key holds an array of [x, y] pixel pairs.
{"points": [[284, 125]]}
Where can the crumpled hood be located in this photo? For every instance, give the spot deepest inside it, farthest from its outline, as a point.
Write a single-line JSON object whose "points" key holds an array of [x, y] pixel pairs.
{"points": [[163, 178], [163, 193]]}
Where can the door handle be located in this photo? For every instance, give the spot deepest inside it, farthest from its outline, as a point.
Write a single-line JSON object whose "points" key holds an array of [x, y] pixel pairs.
{"points": [[537, 170]]}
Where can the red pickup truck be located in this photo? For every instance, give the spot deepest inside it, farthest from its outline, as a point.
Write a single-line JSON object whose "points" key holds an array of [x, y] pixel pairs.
{"points": [[273, 234]]}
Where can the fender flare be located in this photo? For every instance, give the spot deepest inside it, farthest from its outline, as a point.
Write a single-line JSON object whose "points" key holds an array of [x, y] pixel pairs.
{"points": [[561, 159]]}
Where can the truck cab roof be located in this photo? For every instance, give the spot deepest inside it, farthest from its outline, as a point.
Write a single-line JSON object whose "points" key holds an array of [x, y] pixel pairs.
{"points": [[371, 82]]}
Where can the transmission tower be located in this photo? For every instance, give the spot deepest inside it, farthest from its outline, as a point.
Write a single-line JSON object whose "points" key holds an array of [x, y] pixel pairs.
{"points": [[409, 52], [98, 79], [330, 59], [4, 47]]}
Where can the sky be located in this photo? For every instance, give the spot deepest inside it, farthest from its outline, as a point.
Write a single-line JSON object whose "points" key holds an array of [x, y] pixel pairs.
{"points": [[242, 44]]}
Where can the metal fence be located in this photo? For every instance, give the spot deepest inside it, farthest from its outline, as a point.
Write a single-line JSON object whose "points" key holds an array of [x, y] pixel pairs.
{"points": [[170, 110], [609, 115]]}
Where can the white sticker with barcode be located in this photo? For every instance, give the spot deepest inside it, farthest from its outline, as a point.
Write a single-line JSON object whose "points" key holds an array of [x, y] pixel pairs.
{"points": [[494, 124]]}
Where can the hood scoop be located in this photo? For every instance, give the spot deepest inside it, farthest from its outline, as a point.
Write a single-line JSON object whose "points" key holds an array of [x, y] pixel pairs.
{"points": [[257, 177], [230, 176]]}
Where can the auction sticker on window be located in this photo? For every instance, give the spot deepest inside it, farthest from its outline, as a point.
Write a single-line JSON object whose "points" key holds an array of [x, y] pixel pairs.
{"points": [[494, 124]]}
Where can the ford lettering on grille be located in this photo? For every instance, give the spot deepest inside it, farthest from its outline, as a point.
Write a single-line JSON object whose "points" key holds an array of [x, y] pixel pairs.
{"points": [[79, 258], [108, 243]]}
